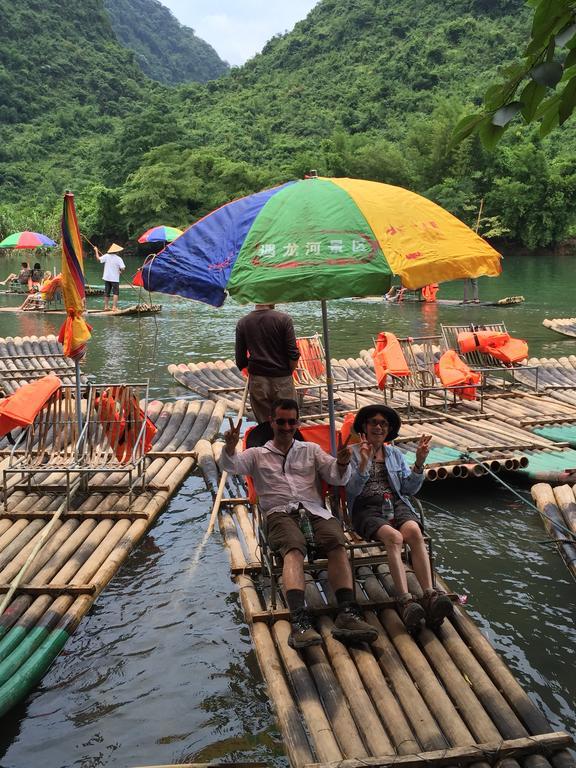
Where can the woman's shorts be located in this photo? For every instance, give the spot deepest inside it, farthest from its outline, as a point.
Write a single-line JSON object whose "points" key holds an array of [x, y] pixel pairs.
{"points": [[367, 517], [283, 532], [111, 288]]}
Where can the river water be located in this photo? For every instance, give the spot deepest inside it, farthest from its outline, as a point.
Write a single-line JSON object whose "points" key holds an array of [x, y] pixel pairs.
{"points": [[162, 671]]}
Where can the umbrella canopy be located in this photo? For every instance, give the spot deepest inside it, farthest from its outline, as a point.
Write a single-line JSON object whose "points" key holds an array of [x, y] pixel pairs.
{"points": [[26, 240], [319, 239], [160, 234], [75, 332]]}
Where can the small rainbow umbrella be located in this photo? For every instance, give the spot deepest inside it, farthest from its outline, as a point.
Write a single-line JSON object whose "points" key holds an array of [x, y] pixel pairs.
{"points": [[318, 238], [160, 234], [26, 240]]}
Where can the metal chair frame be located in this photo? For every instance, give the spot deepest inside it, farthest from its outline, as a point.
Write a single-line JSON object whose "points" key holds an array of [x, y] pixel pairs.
{"points": [[271, 563], [422, 379], [305, 380], [479, 361], [53, 444]]}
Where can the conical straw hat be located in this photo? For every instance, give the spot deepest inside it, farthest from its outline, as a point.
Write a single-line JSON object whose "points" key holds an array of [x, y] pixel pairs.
{"points": [[115, 248]]}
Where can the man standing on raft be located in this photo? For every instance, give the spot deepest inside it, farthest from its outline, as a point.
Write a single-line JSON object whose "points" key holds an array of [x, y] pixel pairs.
{"points": [[113, 266], [286, 476], [266, 345]]}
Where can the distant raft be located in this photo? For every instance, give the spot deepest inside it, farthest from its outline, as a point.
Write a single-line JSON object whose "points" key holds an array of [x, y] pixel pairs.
{"points": [[564, 325], [134, 309]]}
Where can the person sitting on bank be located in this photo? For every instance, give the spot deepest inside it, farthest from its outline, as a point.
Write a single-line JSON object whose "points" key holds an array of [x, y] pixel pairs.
{"points": [[286, 475], [23, 277], [377, 495]]}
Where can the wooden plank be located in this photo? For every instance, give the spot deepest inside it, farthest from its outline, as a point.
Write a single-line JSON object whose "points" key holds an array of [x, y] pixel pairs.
{"points": [[491, 752], [113, 514], [51, 589]]}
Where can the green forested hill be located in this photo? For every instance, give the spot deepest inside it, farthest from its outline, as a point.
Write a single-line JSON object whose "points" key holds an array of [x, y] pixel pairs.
{"points": [[165, 49], [361, 88]]}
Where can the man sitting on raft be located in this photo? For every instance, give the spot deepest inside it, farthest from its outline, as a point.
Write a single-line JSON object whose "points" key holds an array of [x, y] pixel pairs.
{"points": [[286, 474], [377, 495]]}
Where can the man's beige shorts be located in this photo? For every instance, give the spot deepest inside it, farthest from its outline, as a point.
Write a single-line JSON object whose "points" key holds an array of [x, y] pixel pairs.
{"points": [[264, 390]]}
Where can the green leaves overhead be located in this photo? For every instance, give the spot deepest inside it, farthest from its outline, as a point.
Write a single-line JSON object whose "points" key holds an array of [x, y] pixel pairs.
{"points": [[542, 71]]}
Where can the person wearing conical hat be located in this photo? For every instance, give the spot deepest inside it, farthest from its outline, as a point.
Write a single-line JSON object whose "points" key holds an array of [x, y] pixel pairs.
{"points": [[113, 266]]}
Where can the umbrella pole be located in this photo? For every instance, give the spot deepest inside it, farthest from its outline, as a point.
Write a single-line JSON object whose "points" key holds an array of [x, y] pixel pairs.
{"points": [[78, 396], [329, 381]]}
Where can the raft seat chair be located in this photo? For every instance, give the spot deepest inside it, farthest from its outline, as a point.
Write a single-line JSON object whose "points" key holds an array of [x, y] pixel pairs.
{"points": [[489, 349], [310, 375], [362, 554], [115, 436], [409, 365]]}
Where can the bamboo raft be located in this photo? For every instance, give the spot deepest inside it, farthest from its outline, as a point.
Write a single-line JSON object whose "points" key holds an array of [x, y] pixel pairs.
{"points": [[26, 358], [556, 377], [517, 430], [86, 545], [415, 298], [564, 325], [443, 700], [557, 507], [134, 309]]}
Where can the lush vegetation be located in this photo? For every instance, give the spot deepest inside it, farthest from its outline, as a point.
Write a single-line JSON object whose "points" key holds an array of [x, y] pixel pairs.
{"points": [[360, 88], [539, 88], [166, 50]]}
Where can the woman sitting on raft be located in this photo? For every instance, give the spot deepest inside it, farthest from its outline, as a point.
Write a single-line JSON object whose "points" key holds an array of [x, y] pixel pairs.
{"points": [[377, 496]]}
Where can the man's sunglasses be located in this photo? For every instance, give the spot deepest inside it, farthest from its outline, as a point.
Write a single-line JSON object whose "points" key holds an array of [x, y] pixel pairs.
{"points": [[284, 422], [377, 422]]}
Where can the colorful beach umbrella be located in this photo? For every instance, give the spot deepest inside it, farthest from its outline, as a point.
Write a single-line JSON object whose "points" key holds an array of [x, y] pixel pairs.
{"points": [[75, 332], [160, 234], [319, 238], [26, 240]]}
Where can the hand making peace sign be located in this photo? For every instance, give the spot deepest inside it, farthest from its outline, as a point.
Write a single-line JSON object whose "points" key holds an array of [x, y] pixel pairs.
{"points": [[232, 436]]}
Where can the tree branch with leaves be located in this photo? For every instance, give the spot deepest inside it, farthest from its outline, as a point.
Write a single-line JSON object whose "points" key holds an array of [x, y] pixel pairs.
{"points": [[540, 88]]}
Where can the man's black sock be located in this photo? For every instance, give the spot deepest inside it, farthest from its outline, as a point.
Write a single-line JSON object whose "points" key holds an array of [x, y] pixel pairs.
{"points": [[345, 596], [295, 599]]}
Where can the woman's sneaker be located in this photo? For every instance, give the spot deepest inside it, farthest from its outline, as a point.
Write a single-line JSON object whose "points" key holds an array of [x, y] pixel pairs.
{"points": [[412, 614], [437, 607], [303, 634], [350, 627]]}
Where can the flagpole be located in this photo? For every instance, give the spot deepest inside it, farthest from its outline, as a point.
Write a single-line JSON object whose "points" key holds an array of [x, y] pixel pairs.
{"points": [[78, 396]]}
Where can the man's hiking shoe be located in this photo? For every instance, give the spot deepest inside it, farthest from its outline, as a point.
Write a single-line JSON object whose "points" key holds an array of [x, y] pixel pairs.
{"points": [[437, 607], [303, 633], [350, 627], [412, 614]]}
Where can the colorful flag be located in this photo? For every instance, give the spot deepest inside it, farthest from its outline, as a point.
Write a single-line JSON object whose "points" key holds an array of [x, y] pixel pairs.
{"points": [[75, 332]]}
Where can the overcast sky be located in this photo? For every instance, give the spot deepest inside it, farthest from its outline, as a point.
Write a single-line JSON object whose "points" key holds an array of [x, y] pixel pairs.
{"points": [[238, 29]]}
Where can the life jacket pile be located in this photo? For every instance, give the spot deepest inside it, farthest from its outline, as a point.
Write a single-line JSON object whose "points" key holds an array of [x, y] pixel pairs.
{"points": [[122, 422], [388, 358], [497, 344], [453, 372]]}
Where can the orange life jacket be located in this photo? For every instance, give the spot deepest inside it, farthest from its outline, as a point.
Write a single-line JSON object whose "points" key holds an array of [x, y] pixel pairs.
{"points": [[21, 408], [452, 371], [498, 344], [122, 422], [388, 358], [429, 292]]}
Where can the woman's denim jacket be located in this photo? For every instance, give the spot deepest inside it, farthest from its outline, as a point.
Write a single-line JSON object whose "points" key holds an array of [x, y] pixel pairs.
{"points": [[403, 481]]}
